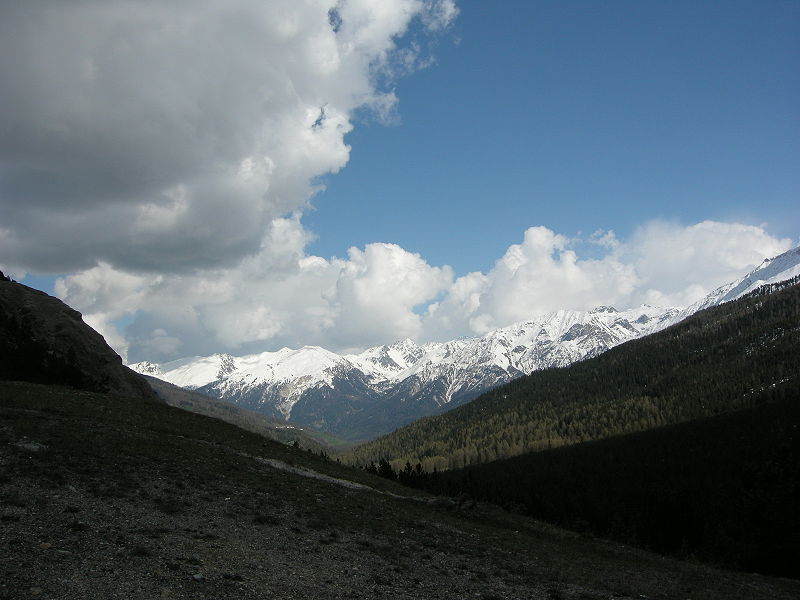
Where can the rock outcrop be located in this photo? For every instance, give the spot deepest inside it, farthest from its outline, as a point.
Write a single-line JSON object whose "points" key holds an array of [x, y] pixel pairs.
{"points": [[42, 340]]}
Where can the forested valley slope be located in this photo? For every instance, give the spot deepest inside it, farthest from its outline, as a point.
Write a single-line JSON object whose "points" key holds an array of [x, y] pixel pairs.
{"points": [[685, 442], [729, 357]]}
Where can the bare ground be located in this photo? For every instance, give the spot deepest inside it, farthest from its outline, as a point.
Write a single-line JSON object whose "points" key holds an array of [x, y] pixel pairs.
{"points": [[102, 497]]}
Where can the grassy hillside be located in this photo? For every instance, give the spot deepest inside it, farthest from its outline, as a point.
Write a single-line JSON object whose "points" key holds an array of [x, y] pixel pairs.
{"points": [[722, 359], [108, 497]]}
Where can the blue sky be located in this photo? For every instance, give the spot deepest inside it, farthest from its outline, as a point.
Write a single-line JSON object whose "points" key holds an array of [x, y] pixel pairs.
{"points": [[159, 169], [579, 116]]}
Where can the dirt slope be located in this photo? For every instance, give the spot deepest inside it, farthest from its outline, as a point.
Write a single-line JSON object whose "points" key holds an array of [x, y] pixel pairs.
{"points": [[102, 498]]}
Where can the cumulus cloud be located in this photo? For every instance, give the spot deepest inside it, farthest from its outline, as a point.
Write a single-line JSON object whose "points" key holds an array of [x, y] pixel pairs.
{"points": [[664, 264], [378, 288], [542, 274], [679, 265], [168, 136], [279, 296], [164, 153], [282, 296]]}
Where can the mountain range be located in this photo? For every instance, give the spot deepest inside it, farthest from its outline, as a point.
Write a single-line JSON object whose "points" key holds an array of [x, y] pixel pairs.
{"points": [[361, 396], [121, 491], [681, 441]]}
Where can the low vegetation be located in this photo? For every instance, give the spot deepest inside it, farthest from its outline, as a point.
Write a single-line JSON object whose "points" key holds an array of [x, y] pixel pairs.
{"points": [[110, 497]]}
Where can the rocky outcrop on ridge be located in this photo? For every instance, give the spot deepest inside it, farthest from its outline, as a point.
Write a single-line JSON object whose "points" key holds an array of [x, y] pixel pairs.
{"points": [[42, 340]]}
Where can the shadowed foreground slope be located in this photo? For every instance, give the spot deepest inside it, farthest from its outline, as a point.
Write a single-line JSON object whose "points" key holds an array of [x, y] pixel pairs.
{"points": [[109, 497]]}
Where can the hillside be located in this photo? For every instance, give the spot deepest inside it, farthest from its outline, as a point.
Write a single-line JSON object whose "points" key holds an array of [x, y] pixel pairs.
{"points": [[279, 431], [111, 497], [721, 359], [723, 489], [43, 340]]}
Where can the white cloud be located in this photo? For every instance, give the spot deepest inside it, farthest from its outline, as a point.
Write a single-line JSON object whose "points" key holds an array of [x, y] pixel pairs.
{"points": [[281, 296], [377, 291], [163, 153], [664, 264], [542, 274], [679, 264], [168, 136], [440, 14]]}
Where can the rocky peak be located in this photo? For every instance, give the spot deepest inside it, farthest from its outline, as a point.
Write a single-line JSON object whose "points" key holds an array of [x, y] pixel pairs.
{"points": [[603, 309], [227, 365]]}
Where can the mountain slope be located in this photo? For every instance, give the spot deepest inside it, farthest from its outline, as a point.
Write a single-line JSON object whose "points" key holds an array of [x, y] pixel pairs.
{"points": [[721, 359], [773, 270], [722, 488], [106, 499], [360, 396], [273, 429], [45, 341], [364, 395]]}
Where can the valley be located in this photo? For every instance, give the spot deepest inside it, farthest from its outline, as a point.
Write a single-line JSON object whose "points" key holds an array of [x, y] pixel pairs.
{"points": [[362, 396], [111, 497], [111, 490], [399, 300], [730, 357]]}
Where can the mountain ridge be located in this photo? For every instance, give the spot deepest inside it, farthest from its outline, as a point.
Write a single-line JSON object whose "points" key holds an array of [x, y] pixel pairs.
{"points": [[361, 396], [42, 340], [307, 384], [725, 358]]}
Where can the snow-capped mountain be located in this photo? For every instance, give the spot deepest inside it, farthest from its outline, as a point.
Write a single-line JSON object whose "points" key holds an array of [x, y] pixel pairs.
{"points": [[359, 396], [772, 270]]}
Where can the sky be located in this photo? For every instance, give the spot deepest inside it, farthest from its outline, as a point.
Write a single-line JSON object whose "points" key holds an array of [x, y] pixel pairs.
{"points": [[241, 176]]}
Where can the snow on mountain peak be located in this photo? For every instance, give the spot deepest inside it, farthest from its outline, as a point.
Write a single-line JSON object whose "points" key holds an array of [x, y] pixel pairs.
{"points": [[384, 363], [339, 387], [603, 309], [772, 270], [146, 368]]}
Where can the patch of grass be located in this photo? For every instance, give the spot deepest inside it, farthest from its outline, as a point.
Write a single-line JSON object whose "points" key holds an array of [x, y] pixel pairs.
{"points": [[330, 538], [266, 519], [140, 550], [170, 505]]}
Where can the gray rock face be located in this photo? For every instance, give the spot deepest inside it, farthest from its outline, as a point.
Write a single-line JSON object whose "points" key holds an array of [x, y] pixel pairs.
{"points": [[42, 340]]}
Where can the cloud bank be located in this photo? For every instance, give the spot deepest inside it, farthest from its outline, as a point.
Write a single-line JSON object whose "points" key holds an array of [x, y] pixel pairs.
{"points": [[663, 264], [283, 297], [168, 136], [164, 153]]}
